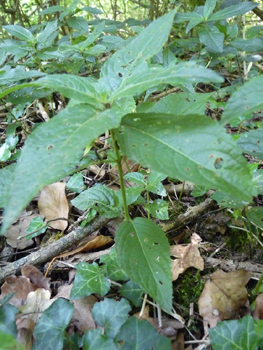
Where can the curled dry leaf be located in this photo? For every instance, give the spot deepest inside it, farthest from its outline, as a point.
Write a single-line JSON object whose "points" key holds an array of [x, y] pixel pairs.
{"points": [[53, 204], [223, 296], [19, 229], [186, 256]]}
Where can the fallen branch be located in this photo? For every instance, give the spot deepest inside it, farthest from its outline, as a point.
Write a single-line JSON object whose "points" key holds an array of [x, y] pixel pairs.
{"points": [[191, 214], [54, 249]]}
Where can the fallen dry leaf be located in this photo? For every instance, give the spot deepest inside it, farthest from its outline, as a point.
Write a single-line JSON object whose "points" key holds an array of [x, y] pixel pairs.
{"points": [[36, 277], [258, 312], [53, 204], [36, 302], [187, 256], [20, 285], [223, 296], [19, 229]]}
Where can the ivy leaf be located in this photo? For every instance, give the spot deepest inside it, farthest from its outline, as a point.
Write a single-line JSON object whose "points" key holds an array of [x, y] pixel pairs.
{"points": [[94, 340], [89, 279], [111, 314], [9, 342], [133, 292], [144, 254], [192, 147], [54, 148], [236, 334], [112, 269], [7, 319], [49, 332], [140, 334]]}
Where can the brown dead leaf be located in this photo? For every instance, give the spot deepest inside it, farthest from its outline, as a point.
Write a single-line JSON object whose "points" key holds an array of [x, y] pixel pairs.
{"points": [[258, 312], [127, 166], [53, 204], [223, 296], [36, 302], [21, 286], [187, 256], [36, 277], [19, 229]]}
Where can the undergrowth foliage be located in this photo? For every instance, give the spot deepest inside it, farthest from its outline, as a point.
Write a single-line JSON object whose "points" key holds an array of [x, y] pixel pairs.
{"points": [[172, 137]]}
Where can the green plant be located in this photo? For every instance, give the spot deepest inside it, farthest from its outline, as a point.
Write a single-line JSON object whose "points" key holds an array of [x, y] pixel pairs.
{"points": [[107, 104], [172, 137]]}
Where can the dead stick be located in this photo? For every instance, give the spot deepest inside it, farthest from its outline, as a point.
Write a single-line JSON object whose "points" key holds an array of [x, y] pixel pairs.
{"points": [[47, 253]]}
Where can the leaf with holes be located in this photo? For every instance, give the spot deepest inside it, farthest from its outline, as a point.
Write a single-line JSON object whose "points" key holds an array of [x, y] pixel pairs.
{"points": [[144, 254], [187, 148]]}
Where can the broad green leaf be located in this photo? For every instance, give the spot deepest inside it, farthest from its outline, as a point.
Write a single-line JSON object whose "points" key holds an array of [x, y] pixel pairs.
{"points": [[106, 200], [158, 209], [248, 45], [195, 19], [54, 148], [49, 332], [140, 334], [111, 267], [75, 183], [187, 148], [137, 178], [234, 10], [5, 179], [145, 77], [133, 195], [20, 32], [227, 200], [52, 9], [89, 279], [93, 10], [95, 340], [7, 319], [212, 38], [182, 104], [244, 101], [12, 75], [111, 315], [144, 254], [92, 36], [80, 89], [133, 292], [9, 342], [46, 37], [251, 143], [255, 215], [235, 335], [209, 8], [150, 41]]}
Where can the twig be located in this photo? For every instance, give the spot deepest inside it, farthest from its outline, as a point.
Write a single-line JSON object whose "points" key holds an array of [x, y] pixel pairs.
{"points": [[47, 253]]}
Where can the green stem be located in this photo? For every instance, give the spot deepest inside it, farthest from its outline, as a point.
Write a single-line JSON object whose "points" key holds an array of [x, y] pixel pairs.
{"points": [[118, 160]]}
